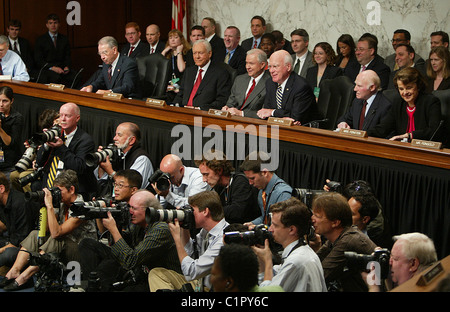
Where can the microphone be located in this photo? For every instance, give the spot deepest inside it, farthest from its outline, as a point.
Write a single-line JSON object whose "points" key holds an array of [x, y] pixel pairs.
{"points": [[435, 131], [75, 78], [315, 123], [45, 65]]}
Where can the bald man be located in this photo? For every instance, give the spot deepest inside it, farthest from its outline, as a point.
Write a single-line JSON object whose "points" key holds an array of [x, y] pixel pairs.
{"points": [[71, 150], [368, 97], [153, 34], [185, 182]]}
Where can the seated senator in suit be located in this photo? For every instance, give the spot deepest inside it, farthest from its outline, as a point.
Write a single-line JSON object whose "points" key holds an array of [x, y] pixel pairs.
{"points": [[323, 60], [417, 116], [249, 89], [206, 85], [295, 98], [119, 73], [368, 97]]}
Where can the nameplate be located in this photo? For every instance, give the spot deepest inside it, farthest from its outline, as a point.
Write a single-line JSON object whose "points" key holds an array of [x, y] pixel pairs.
{"points": [[280, 121], [353, 132], [430, 275], [427, 144], [5, 77], [112, 96], [154, 102], [217, 112], [56, 86]]}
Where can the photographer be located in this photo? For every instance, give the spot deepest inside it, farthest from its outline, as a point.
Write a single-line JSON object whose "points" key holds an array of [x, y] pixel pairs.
{"points": [[64, 232], [11, 126], [300, 269], [184, 182], [332, 218], [239, 198], [208, 214], [131, 155], [134, 252]]}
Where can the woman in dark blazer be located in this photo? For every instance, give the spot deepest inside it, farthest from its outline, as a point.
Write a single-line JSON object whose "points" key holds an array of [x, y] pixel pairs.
{"points": [[323, 58], [345, 49], [416, 116], [438, 69]]}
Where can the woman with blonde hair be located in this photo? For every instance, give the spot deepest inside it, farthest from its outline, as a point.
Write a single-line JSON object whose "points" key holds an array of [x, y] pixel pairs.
{"points": [[438, 69]]}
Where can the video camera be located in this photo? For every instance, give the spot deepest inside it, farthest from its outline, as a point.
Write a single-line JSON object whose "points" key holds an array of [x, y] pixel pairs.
{"points": [[257, 236], [48, 135], [39, 196], [161, 179], [93, 159], [98, 209], [185, 216], [360, 261]]}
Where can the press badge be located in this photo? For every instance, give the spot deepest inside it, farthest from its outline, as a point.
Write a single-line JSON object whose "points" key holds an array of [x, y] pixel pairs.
{"points": [[2, 156], [316, 92]]}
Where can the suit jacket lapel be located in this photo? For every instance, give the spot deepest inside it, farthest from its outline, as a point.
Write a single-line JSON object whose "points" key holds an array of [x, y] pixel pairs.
{"points": [[117, 70]]}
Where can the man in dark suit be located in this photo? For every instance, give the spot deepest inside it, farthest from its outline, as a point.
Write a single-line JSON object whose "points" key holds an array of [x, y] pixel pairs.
{"points": [[405, 57], [401, 36], [71, 152], [367, 57], [52, 55], [206, 85], [249, 90], [302, 57], [153, 35], [217, 44], [20, 45], [258, 28], [369, 98], [287, 94], [235, 54], [119, 73], [134, 47]]}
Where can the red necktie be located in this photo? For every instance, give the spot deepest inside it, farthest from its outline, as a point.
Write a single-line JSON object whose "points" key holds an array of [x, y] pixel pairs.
{"points": [[363, 115], [109, 72], [151, 52], [131, 51], [255, 44], [264, 200], [195, 88], [248, 93]]}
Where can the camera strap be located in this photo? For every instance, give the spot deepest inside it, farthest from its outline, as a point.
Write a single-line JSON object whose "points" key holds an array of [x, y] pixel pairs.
{"points": [[266, 200]]}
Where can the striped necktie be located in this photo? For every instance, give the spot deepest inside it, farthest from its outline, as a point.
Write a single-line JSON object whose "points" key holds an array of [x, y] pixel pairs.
{"points": [[279, 96], [53, 171]]}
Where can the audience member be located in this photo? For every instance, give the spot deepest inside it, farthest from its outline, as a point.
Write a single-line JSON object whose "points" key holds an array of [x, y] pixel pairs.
{"points": [[197, 33], [21, 46], [323, 60], [282, 43], [238, 197], [10, 62], [258, 28], [367, 57], [138, 249], [68, 152], [300, 270], [287, 94], [17, 218], [404, 57], [438, 69], [119, 73], [52, 55], [134, 47], [11, 126], [302, 57], [235, 269], [217, 44], [153, 34], [235, 54], [208, 214], [272, 189], [267, 44], [130, 155], [401, 36], [332, 218], [206, 85], [369, 105], [439, 38], [64, 233], [345, 48], [249, 90], [417, 116], [184, 182]]}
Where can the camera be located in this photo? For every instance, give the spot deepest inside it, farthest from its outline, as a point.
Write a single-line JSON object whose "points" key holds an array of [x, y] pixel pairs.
{"points": [[34, 176], [161, 179], [335, 186], [360, 261], [98, 209], [250, 238], [185, 216], [39, 196], [94, 159], [48, 136], [27, 158], [306, 195]]}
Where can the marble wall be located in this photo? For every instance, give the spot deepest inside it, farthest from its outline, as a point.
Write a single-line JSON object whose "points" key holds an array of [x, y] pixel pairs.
{"points": [[326, 20]]}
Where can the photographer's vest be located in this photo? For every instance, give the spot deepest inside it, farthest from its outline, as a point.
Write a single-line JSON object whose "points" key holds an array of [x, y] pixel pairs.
{"points": [[125, 162]]}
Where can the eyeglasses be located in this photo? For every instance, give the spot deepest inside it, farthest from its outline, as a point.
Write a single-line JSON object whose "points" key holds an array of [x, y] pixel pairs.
{"points": [[121, 185]]}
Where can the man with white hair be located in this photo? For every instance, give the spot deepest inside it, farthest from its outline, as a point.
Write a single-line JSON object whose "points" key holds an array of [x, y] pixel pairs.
{"points": [[369, 106], [11, 63]]}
